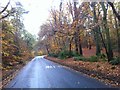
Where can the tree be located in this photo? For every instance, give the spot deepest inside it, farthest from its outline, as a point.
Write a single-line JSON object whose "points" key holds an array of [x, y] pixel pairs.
{"points": [[114, 10], [17, 43], [109, 47], [6, 11], [28, 38], [74, 26], [96, 29]]}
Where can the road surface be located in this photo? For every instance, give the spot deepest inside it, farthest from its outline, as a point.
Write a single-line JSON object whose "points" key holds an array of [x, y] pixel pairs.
{"points": [[42, 73]]}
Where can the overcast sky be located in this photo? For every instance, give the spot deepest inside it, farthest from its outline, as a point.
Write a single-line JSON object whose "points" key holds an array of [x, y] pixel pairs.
{"points": [[38, 12]]}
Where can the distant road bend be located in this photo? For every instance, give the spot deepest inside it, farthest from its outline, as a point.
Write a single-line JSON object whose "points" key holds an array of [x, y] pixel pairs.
{"points": [[42, 73]]}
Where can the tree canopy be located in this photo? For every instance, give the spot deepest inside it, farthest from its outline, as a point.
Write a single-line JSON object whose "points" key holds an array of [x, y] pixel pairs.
{"points": [[75, 26]]}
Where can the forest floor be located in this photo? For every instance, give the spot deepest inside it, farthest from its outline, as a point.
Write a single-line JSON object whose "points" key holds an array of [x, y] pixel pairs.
{"points": [[101, 70]]}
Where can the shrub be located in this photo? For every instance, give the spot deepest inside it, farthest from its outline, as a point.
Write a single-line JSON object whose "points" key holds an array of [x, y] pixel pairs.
{"points": [[64, 54], [115, 61], [53, 55], [74, 54], [102, 57], [93, 59], [81, 58], [67, 54]]}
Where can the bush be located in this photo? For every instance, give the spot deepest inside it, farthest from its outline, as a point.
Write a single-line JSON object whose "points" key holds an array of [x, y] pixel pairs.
{"points": [[102, 57], [53, 55], [74, 54], [64, 54], [81, 58], [93, 59], [115, 61]]}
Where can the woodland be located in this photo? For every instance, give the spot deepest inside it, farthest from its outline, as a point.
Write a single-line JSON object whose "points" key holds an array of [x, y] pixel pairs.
{"points": [[70, 31], [75, 26], [16, 43]]}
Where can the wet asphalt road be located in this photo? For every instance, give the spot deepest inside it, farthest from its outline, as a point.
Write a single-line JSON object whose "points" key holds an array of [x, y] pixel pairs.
{"points": [[42, 73]]}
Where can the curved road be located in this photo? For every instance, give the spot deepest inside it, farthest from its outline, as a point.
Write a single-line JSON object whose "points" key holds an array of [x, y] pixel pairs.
{"points": [[42, 73]]}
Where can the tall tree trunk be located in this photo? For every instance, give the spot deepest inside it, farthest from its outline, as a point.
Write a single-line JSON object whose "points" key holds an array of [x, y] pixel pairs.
{"points": [[110, 52], [47, 49], [80, 47], [109, 46], [70, 46], [118, 36], [76, 32], [96, 31], [97, 40], [77, 37], [104, 45], [76, 42], [98, 50]]}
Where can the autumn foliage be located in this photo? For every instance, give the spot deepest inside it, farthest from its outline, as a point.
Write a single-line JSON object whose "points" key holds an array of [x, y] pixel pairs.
{"points": [[17, 43], [75, 26]]}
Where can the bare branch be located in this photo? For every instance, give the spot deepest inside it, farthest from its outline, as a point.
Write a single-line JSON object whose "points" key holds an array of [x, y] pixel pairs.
{"points": [[114, 10], [6, 15], [5, 7]]}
